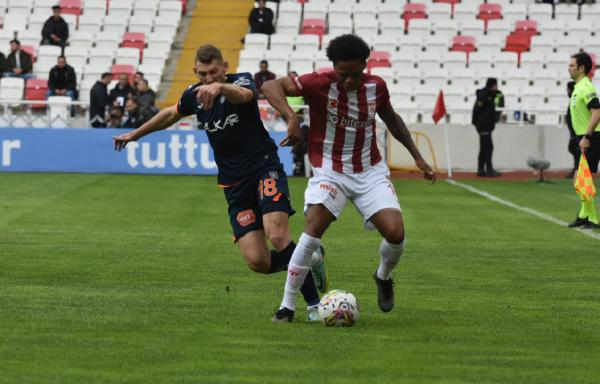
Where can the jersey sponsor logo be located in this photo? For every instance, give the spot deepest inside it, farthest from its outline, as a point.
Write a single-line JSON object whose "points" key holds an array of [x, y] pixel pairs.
{"points": [[372, 108], [329, 188], [350, 122], [298, 83], [247, 217], [230, 121], [592, 95], [242, 81], [332, 103]]}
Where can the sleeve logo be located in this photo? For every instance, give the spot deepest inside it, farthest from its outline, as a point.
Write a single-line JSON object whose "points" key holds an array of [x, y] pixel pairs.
{"points": [[242, 82]]}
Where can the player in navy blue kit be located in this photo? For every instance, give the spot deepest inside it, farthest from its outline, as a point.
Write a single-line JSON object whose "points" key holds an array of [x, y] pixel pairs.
{"points": [[250, 171]]}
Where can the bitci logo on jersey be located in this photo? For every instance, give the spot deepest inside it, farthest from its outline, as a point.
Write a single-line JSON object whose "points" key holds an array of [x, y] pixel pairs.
{"points": [[245, 218]]}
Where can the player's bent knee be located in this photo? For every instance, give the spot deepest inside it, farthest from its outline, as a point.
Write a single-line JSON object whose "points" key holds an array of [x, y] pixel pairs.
{"points": [[257, 262], [394, 236], [279, 240]]}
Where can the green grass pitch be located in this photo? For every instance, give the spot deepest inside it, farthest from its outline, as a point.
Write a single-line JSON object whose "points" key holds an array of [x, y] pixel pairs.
{"points": [[134, 279]]}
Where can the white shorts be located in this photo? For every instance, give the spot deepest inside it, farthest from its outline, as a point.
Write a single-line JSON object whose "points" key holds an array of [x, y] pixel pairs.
{"points": [[370, 191]]}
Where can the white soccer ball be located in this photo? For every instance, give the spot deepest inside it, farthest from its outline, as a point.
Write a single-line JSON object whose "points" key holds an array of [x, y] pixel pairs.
{"points": [[338, 308]]}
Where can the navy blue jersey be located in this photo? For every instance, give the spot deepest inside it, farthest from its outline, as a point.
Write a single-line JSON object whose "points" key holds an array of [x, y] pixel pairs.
{"points": [[236, 133]]}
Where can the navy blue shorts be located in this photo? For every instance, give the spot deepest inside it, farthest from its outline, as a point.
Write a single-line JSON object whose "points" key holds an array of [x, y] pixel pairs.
{"points": [[250, 199]]}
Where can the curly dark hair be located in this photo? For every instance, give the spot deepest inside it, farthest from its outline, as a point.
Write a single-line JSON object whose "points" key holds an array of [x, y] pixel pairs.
{"points": [[346, 48]]}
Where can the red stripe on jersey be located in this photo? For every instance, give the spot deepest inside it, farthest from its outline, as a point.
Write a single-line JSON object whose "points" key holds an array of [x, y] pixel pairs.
{"points": [[359, 139], [340, 132], [318, 128], [375, 155]]}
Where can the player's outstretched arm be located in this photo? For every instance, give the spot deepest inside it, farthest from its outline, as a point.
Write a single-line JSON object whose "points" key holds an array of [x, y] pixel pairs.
{"points": [[276, 91], [161, 120], [398, 129]]}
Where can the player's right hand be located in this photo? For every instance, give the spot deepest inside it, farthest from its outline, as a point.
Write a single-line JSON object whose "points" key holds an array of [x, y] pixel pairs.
{"points": [[122, 140], [294, 133]]}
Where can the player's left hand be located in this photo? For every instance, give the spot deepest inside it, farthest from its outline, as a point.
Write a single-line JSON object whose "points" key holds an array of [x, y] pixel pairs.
{"points": [[428, 173], [207, 94], [584, 144]]}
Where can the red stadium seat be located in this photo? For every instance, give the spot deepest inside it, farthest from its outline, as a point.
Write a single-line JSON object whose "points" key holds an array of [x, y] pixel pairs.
{"points": [[134, 40], [36, 89], [31, 50], [118, 69], [72, 7], [463, 44], [489, 12], [379, 59], [313, 27], [518, 43], [526, 27], [413, 11]]}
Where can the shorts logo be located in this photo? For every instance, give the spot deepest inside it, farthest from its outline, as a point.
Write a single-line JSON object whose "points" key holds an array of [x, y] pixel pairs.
{"points": [[332, 191], [247, 217], [332, 103], [273, 175]]}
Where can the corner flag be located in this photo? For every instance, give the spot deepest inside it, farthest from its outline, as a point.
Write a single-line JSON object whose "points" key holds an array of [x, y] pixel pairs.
{"points": [[439, 110], [584, 184]]}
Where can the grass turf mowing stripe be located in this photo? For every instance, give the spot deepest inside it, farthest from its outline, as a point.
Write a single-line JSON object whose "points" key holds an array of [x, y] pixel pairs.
{"points": [[528, 210]]}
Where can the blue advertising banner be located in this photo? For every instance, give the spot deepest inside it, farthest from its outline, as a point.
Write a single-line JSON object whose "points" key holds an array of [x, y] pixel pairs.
{"points": [[92, 151]]}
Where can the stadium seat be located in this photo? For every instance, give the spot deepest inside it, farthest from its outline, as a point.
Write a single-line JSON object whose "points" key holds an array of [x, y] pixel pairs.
{"points": [[109, 40], [533, 96], [435, 80], [479, 62], [439, 11], [134, 40], [446, 27], [116, 25], [36, 89], [581, 31], [152, 72], [170, 9], [307, 43], [18, 9], [506, 61], [29, 37], [283, 42], [429, 63], [489, 44], [465, 11], [389, 11], [400, 95], [36, 22], [11, 88], [257, 40], [514, 76], [94, 8], [140, 25], [392, 26], [119, 69], [454, 60], [120, 10], [313, 27], [558, 61], [408, 79], [590, 12], [499, 29], [70, 7], [542, 43], [131, 56], [488, 11], [518, 43], [532, 61], [386, 73], [315, 10], [278, 62], [514, 12], [58, 111], [168, 25], [301, 62], [365, 9], [413, 11], [145, 9], [526, 27], [90, 23], [387, 43], [475, 28], [540, 12], [566, 12], [403, 63], [48, 52], [339, 25], [463, 44], [568, 45], [420, 27], [438, 43], [410, 45], [366, 26], [511, 96], [155, 57], [379, 59]]}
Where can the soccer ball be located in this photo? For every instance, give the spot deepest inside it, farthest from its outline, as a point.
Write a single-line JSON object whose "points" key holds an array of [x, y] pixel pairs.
{"points": [[338, 308]]}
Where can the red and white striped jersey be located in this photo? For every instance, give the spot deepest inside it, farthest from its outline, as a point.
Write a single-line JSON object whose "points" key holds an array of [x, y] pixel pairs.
{"points": [[342, 123]]}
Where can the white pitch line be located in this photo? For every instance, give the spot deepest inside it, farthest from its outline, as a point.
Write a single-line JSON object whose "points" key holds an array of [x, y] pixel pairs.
{"points": [[530, 211]]}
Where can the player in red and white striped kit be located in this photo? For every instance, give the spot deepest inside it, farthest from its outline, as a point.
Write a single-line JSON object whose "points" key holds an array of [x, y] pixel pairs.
{"points": [[346, 162]]}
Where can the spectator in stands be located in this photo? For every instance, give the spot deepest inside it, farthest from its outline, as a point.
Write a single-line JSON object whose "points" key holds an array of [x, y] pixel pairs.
{"points": [[99, 101], [115, 119], [19, 63], [56, 29], [261, 19], [262, 76], [121, 92], [145, 96], [573, 139], [136, 116], [136, 78], [3, 63], [62, 80], [485, 118]]}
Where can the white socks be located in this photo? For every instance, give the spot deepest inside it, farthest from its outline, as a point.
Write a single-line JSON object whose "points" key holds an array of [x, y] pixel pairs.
{"points": [[390, 257], [298, 268]]}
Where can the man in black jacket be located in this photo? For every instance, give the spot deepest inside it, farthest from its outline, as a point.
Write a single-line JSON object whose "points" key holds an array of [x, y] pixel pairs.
{"points": [[136, 116], [261, 19], [121, 92], [19, 63], [99, 101], [62, 80], [56, 29], [485, 118]]}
